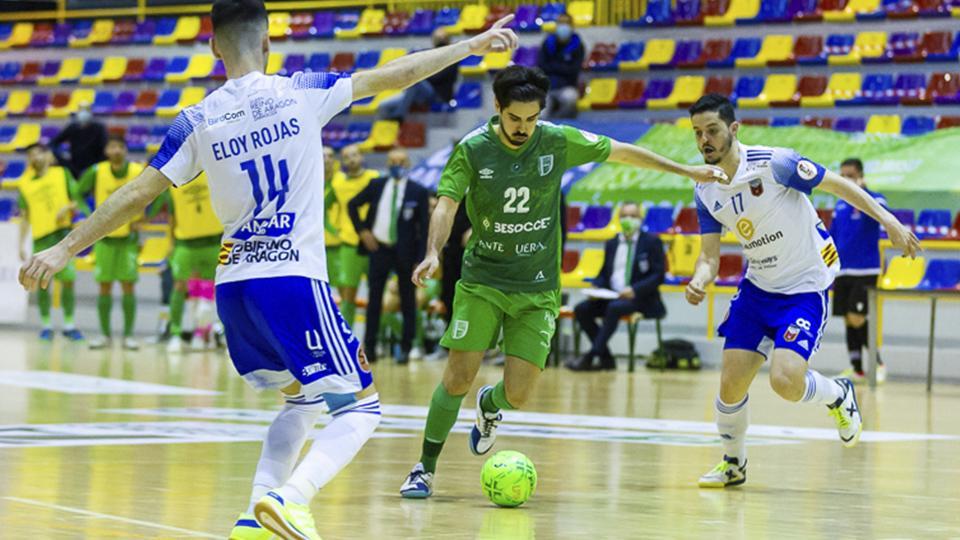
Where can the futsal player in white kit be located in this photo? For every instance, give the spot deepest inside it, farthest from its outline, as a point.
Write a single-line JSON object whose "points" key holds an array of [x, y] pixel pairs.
{"points": [[258, 139], [779, 311]]}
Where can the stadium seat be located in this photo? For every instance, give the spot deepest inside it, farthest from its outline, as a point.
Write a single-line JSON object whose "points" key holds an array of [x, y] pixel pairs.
{"points": [[274, 63], [748, 87], [808, 86], [719, 84], [904, 47], [933, 8], [910, 87], [682, 255], [771, 11], [658, 219], [383, 136], [656, 53], [933, 223], [300, 25], [777, 88], [526, 56], [600, 94], [42, 35], [687, 51], [755, 121], [784, 121], [944, 89], [899, 9], [884, 124], [570, 260], [588, 268], [731, 269], [167, 102], [818, 122], [367, 60], [357, 132], [739, 9], [855, 10], [103, 103], [939, 47], [154, 251], [318, 63], [76, 98], [292, 64], [68, 73], [574, 212], [14, 169], [342, 62], [493, 61], [390, 54], [396, 23], [38, 105], [371, 104], [775, 47], [146, 104], [9, 72], [839, 45], [199, 68], [809, 50], [686, 222], [371, 22], [955, 229], [656, 89], [941, 274], [469, 96], [629, 51], [603, 57], [17, 103], [123, 32], [155, 70], [92, 72], [875, 89], [850, 124], [25, 135], [100, 32], [917, 125], [630, 94], [279, 25], [687, 89], [412, 135], [594, 217], [746, 47], [526, 18], [903, 215], [948, 121], [20, 36], [688, 13], [714, 51], [183, 30], [867, 47], [581, 12], [842, 86], [473, 18], [903, 273], [345, 24], [422, 22], [448, 19], [658, 13]]}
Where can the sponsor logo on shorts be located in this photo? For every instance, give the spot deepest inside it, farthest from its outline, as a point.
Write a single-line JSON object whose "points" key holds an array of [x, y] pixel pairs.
{"points": [[790, 335], [460, 328], [527, 226], [546, 165], [275, 226], [313, 369], [262, 107], [806, 169], [486, 174], [314, 344]]}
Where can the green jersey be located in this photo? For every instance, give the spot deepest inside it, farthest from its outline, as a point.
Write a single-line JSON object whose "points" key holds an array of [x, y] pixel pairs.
{"points": [[513, 201]]}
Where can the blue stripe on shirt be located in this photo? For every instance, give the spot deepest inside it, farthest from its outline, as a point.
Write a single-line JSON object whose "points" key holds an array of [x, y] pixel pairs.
{"points": [[179, 131], [320, 81]]}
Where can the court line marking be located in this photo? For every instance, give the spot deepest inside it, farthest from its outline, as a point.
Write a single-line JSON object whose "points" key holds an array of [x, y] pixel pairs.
{"points": [[112, 517]]}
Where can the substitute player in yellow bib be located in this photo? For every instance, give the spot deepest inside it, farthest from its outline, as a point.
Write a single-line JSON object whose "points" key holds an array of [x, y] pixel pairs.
{"points": [[331, 215], [346, 184], [48, 198], [196, 248], [116, 255]]}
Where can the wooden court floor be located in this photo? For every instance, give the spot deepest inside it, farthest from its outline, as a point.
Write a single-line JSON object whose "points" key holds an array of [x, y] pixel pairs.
{"points": [[120, 445]]}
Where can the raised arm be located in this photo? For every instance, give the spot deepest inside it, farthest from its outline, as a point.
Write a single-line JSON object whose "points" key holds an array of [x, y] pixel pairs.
{"points": [[121, 207], [708, 264], [901, 237], [637, 156], [413, 68], [440, 224]]}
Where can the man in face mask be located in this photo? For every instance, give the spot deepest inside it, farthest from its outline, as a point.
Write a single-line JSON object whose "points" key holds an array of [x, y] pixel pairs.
{"points": [[561, 58], [86, 138], [394, 234], [438, 88], [633, 267]]}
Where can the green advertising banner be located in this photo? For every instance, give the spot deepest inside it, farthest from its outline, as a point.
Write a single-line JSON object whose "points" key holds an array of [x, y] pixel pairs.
{"points": [[915, 172]]}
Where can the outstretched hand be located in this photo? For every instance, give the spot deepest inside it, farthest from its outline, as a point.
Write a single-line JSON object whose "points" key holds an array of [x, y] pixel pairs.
{"points": [[903, 238], [707, 173], [38, 271], [496, 39]]}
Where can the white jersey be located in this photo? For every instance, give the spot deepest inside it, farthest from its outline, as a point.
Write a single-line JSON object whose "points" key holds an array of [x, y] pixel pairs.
{"points": [[258, 140], [787, 247]]}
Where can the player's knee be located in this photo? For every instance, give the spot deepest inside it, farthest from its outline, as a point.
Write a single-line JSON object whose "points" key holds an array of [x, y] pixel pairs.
{"points": [[786, 385], [457, 383], [517, 397]]}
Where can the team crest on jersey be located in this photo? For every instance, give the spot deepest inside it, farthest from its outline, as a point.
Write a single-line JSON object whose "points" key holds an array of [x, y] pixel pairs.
{"points": [[745, 228], [460, 329], [756, 187], [790, 335], [806, 169], [486, 174], [546, 165]]}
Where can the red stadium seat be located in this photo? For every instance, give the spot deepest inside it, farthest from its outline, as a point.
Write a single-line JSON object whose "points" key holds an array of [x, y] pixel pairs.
{"points": [[146, 104], [713, 8], [943, 85], [412, 135], [805, 47], [574, 213], [826, 216], [714, 50], [808, 86], [497, 13], [686, 222], [123, 31], [722, 85], [818, 122], [135, 69], [755, 121], [570, 261], [630, 93], [602, 55], [29, 73], [343, 62], [946, 122], [731, 269]]}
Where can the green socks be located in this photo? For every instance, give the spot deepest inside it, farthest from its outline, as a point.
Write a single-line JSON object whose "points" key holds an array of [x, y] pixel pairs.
{"points": [[69, 300], [443, 413], [129, 314], [177, 300], [495, 400], [44, 301], [104, 305]]}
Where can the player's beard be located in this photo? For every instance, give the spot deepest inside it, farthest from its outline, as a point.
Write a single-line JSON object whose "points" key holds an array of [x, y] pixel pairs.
{"points": [[721, 154], [515, 142]]}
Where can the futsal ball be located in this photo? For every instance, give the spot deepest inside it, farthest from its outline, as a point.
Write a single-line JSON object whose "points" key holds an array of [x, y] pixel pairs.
{"points": [[508, 478]]}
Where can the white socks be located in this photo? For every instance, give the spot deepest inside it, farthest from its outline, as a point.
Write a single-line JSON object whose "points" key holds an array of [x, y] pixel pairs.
{"points": [[282, 447], [732, 422], [333, 448], [821, 390]]}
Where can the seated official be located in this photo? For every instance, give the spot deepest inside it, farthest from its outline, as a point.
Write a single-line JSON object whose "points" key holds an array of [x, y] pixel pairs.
{"points": [[634, 266]]}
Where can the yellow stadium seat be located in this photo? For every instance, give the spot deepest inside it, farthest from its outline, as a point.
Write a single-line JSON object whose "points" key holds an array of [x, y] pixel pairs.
{"points": [[903, 273], [19, 36], [473, 18], [372, 21], [27, 134], [657, 51], [188, 28], [867, 45], [279, 24], [600, 91], [200, 67], [591, 261], [274, 63], [683, 253], [154, 251], [389, 55], [955, 11], [383, 136], [841, 86], [684, 122], [884, 124], [739, 9], [70, 70], [581, 12], [491, 62], [775, 47], [779, 87], [686, 89], [100, 32], [849, 13], [113, 69], [77, 98], [17, 102], [372, 106]]}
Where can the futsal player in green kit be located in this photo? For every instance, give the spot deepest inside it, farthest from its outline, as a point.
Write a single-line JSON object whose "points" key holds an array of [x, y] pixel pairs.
{"points": [[509, 173]]}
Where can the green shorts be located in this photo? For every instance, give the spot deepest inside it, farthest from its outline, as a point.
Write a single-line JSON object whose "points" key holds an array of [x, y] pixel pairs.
{"points": [[353, 266], [115, 259], [528, 321], [198, 256], [333, 265], [69, 272]]}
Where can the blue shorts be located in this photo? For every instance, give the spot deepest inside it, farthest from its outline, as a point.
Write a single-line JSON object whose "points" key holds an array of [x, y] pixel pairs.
{"points": [[757, 318], [288, 329]]}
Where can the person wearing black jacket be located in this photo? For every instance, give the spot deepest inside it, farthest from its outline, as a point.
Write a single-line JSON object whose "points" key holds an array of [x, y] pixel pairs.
{"points": [[394, 234], [437, 88], [634, 267], [87, 139], [561, 58]]}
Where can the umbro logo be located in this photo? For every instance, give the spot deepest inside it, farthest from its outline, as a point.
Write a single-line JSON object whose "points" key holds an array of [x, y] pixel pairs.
{"points": [[717, 206], [486, 174]]}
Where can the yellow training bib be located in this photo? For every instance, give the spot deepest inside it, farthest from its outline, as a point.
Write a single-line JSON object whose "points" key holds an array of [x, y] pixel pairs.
{"points": [[46, 196], [107, 183], [345, 190], [193, 212]]}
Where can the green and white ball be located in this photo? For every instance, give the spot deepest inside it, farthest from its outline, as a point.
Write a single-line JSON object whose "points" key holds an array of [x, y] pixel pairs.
{"points": [[508, 478]]}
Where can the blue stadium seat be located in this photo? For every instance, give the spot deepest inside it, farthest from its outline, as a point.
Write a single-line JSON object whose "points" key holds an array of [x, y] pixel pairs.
{"points": [[318, 63], [659, 13], [103, 103], [748, 87], [9, 71], [933, 223], [14, 169], [745, 47], [658, 219], [941, 274], [630, 51], [169, 98], [469, 96], [367, 60], [292, 64], [781, 121], [917, 125], [850, 124]]}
